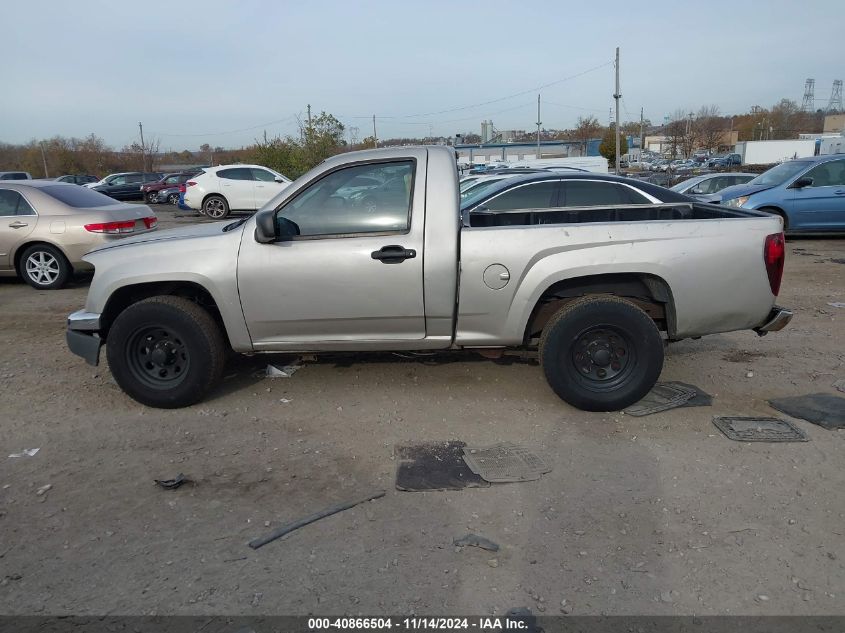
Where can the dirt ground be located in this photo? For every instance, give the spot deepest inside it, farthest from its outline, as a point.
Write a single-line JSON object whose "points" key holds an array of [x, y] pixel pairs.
{"points": [[653, 515]]}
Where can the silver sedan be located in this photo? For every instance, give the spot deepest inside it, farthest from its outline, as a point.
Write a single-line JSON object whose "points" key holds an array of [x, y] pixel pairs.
{"points": [[46, 227]]}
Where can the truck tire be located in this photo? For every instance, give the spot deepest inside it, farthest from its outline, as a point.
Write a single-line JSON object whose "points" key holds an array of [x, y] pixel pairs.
{"points": [[215, 207], [44, 267], [166, 352], [601, 353]]}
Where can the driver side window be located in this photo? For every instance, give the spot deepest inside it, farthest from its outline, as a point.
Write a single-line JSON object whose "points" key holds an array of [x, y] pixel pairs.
{"points": [[373, 198]]}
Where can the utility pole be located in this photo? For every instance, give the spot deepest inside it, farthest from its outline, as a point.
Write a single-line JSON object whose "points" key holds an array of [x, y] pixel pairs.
{"points": [[375, 136], [617, 96], [143, 151], [44, 158], [642, 136], [309, 116], [538, 127]]}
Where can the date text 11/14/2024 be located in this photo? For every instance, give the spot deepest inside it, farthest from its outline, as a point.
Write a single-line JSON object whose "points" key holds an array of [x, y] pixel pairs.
{"points": [[418, 624]]}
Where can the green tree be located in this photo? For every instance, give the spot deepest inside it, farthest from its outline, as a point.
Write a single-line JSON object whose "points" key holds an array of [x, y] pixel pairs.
{"points": [[607, 148]]}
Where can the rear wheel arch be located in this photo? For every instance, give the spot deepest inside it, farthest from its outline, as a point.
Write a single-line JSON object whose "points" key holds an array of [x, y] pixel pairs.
{"points": [[649, 292], [22, 248]]}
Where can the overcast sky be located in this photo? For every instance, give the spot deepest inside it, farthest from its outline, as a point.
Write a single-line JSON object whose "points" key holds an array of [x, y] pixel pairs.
{"points": [[206, 71]]}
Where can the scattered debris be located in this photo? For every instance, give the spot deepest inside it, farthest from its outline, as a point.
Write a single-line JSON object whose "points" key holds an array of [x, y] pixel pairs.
{"points": [[43, 489], [819, 408], [295, 525], [172, 484], [749, 429], [838, 260], [473, 540], [837, 304], [493, 562], [663, 396], [286, 371], [285, 400], [505, 462], [435, 466], [749, 374], [27, 452]]}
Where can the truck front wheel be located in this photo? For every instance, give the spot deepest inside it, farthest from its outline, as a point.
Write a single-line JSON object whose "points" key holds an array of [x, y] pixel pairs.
{"points": [[601, 353], [165, 352]]}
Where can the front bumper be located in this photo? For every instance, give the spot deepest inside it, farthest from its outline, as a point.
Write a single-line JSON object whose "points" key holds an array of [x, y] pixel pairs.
{"points": [[777, 320], [83, 337]]}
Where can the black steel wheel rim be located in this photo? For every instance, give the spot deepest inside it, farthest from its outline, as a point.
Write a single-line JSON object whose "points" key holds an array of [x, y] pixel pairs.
{"points": [[602, 357], [158, 357]]}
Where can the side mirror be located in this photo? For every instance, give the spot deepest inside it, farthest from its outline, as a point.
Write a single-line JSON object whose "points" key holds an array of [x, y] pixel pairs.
{"points": [[265, 227], [802, 182], [279, 179], [695, 191]]}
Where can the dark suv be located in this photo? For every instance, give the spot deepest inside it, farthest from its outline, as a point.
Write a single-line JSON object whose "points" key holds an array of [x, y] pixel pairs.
{"points": [[127, 185], [170, 181], [728, 160]]}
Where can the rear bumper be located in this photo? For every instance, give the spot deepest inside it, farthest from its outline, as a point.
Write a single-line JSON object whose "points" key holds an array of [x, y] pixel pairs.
{"points": [[777, 320], [83, 338]]}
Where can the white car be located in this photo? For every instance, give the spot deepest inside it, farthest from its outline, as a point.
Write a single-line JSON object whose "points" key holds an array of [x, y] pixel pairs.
{"points": [[226, 188]]}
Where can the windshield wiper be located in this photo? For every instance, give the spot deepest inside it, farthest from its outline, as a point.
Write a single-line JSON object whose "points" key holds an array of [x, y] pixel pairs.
{"points": [[235, 224]]}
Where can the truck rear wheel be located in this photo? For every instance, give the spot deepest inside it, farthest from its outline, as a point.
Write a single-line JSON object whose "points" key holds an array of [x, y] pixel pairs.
{"points": [[601, 353], [166, 352]]}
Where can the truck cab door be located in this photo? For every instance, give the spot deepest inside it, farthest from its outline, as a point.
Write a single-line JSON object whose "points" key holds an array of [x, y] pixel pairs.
{"points": [[354, 272]]}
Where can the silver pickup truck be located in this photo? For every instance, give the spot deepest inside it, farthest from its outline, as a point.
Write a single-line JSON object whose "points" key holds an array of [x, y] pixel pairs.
{"points": [[373, 251]]}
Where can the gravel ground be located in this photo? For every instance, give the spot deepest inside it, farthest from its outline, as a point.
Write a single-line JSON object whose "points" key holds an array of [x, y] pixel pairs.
{"points": [[653, 515]]}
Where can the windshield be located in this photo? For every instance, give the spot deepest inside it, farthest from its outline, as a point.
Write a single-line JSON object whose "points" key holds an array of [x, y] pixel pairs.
{"points": [[780, 173], [478, 188], [686, 184], [466, 182]]}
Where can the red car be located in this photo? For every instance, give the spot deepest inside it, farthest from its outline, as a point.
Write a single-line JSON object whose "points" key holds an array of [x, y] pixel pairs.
{"points": [[150, 190]]}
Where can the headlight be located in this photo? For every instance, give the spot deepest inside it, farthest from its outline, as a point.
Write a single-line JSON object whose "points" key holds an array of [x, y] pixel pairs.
{"points": [[736, 202]]}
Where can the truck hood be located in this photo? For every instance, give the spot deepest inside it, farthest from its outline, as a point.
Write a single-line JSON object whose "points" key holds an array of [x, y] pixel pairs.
{"points": [[735, 191], [184, 233]]}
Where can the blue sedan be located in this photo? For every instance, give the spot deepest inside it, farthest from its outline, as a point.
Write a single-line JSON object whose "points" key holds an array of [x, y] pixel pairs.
{"points": [[808, 193]]}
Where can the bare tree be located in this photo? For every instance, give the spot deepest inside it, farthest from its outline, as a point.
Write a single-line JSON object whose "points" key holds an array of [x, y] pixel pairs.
{"points": [[710, 127], [587, 128]]}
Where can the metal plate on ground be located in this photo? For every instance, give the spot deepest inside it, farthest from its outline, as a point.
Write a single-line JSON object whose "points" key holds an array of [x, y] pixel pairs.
{"points": [[700, 399], [819, 408], [505, 463], [759, 429], [662, 397], [434, 466]]}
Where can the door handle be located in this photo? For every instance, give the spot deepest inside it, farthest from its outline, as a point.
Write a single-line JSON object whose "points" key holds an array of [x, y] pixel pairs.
{"points": [[393, 254], [840, 192], [17, 224]]}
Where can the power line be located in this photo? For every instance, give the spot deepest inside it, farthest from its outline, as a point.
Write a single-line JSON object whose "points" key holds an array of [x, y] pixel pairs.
{"points": [[484, 103], [246, 129]]}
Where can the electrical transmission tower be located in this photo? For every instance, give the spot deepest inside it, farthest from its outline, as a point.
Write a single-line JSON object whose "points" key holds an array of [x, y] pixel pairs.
{"points": [[835, 103], [808, 105]]}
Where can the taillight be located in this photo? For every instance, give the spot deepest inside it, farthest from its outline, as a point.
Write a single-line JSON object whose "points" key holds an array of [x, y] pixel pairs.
{"points": [[190, 183], [182, 188], [150, 222], [774, 254], [111, 227]]}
